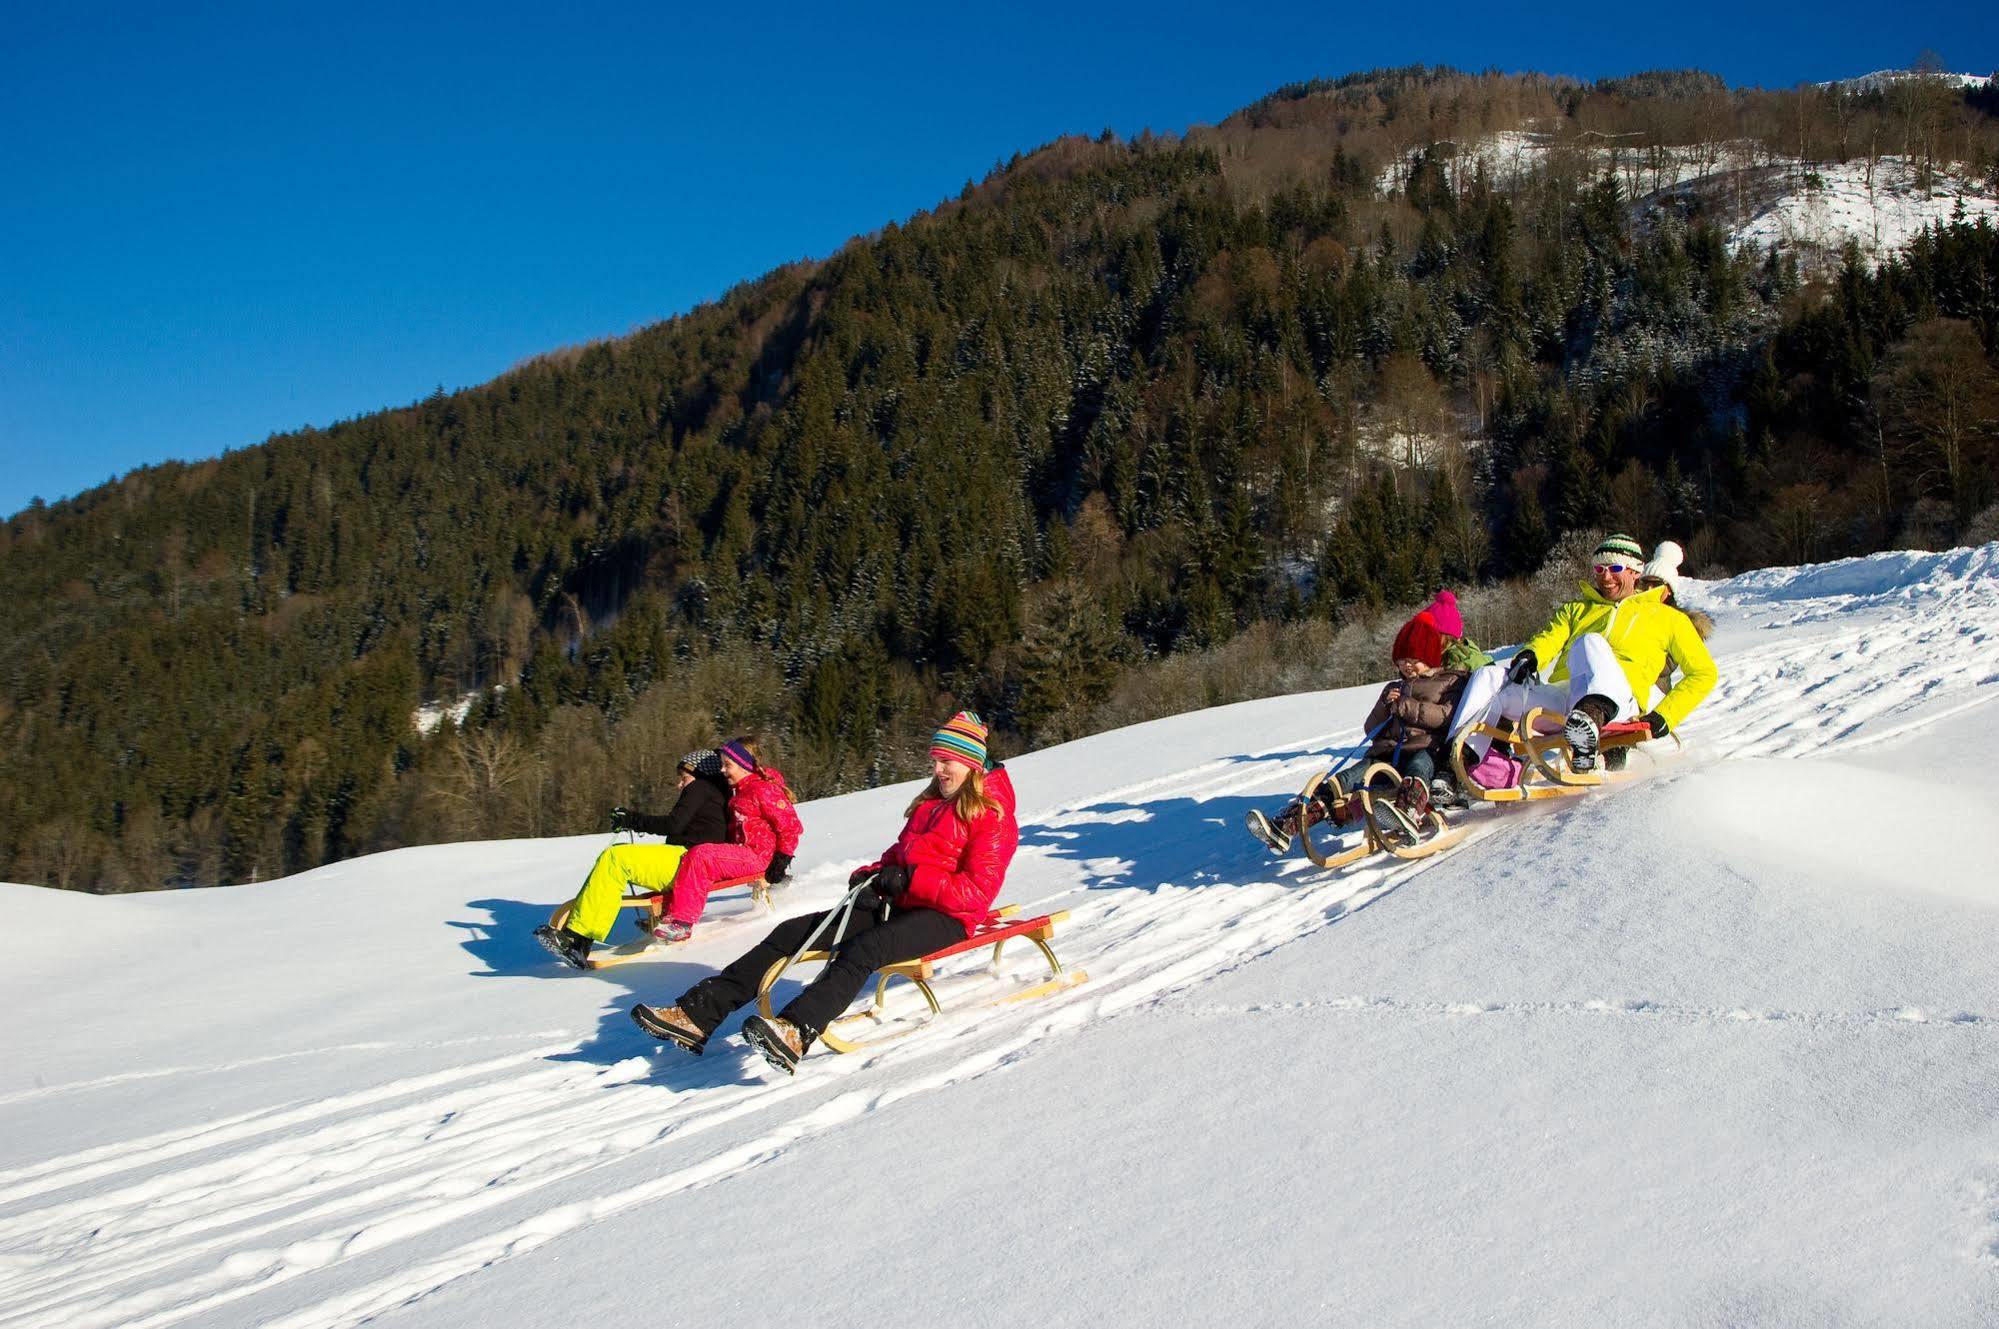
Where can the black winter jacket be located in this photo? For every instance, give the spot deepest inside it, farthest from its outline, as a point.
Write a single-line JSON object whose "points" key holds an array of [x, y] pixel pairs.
{"points": [[700, 816]]}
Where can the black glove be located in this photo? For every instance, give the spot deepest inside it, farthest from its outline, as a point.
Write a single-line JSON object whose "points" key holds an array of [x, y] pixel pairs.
{"points": [[859, 875], [866, 901], [1655, 722], [780, 864], [891, 880], [1523, 668], [621, 818]]}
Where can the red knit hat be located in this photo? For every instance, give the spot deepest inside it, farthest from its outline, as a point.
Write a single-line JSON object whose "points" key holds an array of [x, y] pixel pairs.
{"points": [[1419, 640]]}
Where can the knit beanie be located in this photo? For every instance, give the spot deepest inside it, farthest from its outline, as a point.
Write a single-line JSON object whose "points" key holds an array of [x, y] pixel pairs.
{"points": [[962, 739], [1621, 546], [1665, 564], [739, 754], [703, 761], [1443, 611], [1419, 640]]}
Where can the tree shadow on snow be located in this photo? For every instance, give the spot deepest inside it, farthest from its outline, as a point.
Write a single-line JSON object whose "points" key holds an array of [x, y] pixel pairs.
{"points": [[504, 943], [1164, 842]]}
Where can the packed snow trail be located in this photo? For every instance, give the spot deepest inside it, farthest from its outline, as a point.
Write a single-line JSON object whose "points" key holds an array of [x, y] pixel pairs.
{"points": [[334, 1115]]}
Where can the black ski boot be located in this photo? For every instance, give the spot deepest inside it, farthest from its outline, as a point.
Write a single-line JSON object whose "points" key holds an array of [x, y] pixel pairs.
{"points": [[564, 945], [670, 1024], [1584, 731], [780, 1041]]}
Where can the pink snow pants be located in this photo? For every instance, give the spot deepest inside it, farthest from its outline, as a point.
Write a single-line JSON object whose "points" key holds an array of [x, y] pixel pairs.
{"points": [[705, 865]]}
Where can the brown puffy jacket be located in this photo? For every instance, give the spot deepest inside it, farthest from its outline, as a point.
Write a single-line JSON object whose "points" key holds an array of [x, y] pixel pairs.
{"points": [[1415, 714]]}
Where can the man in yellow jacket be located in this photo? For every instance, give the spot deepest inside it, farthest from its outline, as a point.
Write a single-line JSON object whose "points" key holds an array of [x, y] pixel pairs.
{"points": [[1607, 649]]}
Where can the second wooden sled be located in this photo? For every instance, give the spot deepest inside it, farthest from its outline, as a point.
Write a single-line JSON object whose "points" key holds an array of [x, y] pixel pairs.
{"points": [[999, 927], [1410, 839], [1548, 752], [652, 903]]}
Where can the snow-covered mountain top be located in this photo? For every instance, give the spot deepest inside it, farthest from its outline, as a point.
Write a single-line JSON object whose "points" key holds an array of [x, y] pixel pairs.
{"points": [[1887, 78], [1769, 200], [1720, 1046]]}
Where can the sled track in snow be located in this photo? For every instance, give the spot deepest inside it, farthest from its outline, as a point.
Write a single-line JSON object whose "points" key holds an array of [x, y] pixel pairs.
{"points": [[159, 1231], [419, 1181]]}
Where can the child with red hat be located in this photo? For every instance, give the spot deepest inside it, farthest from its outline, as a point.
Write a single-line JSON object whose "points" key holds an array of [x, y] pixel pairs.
{"points": [[1409, 723]]}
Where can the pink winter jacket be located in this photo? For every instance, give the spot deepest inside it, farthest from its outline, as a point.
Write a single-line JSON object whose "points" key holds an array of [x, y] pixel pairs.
{"points": [[954, 868], [761, 816]]}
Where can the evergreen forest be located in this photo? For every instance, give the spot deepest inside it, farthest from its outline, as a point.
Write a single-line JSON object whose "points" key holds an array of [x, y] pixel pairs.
{"points": [[1128, 426]]}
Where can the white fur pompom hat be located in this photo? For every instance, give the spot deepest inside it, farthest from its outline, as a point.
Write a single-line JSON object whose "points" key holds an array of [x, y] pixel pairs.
{"points": [[1665, 564]]}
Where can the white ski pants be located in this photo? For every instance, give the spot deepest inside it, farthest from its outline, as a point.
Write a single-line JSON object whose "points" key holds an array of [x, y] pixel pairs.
{"points": [[1593, 671]]}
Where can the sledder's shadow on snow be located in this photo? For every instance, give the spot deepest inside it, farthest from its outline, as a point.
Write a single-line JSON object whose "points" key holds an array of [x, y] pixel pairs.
{"points": [[504, 942], [1162, 842]]}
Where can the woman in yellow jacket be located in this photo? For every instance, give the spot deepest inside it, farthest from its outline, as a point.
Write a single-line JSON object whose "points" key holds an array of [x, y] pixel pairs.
{"points": [[1607, 648]]}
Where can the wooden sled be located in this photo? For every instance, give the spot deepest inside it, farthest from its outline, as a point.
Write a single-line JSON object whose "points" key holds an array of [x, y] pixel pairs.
{"points": [[1000, 927], [1533, 785], [1408, 840], [1548, 753], [653, 904]]}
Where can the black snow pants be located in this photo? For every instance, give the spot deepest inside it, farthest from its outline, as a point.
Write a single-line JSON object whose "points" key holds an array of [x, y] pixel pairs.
{"points": [[863, 946]]}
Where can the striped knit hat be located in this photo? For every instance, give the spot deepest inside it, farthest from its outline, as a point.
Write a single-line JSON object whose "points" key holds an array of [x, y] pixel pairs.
{"points": [[702, 761], [962, 739], [1621, 546], [739, 754]]}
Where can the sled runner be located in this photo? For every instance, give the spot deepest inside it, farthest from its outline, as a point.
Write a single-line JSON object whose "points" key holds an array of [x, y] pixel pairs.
{"points": [[1385, 828], [1548, 753], [651, 905], [1525, 789], [1538, 742], [999, 927]]}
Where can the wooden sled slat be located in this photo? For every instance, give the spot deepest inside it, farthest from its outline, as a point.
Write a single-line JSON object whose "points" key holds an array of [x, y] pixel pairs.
{"points": [[999, 927], [1432, 837], [1520, 793]]}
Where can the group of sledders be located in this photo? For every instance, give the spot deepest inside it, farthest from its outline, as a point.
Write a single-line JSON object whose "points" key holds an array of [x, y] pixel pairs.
{"points": [[1623, 638], [735, 817]]}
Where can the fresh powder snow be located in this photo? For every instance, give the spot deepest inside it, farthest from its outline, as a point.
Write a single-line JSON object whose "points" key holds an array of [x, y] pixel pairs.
{"points": [[1716, 1046]]}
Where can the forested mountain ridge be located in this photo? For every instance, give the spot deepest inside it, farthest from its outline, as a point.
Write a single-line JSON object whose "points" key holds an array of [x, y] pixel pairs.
{"points": [[1120, 401]]}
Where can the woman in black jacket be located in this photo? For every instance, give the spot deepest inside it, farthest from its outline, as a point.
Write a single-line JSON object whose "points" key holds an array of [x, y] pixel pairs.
{"points": [[699, 816]]}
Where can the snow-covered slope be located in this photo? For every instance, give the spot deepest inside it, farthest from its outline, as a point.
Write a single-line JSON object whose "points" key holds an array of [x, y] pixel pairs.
{"points": [[1717, 1047]]}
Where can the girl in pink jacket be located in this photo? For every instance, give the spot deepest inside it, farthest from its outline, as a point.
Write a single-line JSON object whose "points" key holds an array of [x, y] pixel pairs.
{"points": [[929, 890], [763, 835]]}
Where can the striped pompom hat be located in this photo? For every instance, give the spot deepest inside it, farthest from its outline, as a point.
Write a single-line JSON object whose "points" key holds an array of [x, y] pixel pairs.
{"points": [[1621, 546], [962, 739]]}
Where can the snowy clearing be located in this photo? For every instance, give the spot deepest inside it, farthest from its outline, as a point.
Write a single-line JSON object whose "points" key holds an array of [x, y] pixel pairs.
{"points": [[1717, 1047]]}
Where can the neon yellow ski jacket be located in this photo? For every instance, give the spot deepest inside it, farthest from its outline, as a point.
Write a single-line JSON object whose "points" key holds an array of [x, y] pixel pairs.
{"points": [[1644, 632]]}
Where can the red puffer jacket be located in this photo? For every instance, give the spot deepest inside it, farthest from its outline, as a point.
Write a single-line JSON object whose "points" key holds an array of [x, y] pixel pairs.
{"points": [[761, 816], [954, 868]]}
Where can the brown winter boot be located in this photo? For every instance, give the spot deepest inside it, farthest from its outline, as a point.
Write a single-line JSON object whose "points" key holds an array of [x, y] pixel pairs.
{"points": [[780, 1041], [1329, 804], [670, 1024], [1413, 800]]}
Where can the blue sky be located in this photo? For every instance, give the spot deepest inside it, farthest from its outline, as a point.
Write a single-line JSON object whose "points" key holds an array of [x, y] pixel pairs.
{"points": [[227, 222]]}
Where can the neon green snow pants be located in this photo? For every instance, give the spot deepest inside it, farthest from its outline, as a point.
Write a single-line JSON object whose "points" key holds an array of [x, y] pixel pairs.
{"points": [[649, 867]]}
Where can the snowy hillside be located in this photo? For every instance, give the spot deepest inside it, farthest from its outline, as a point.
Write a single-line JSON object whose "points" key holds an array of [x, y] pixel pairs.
{"points": [[1809, 208], [1716, 1047]]}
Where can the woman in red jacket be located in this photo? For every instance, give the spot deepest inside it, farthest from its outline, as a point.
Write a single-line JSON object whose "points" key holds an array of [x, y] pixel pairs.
{"points": [[763, 835], [928, 891]]}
